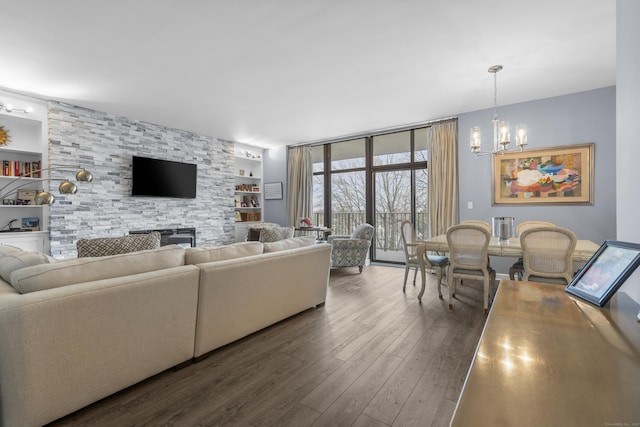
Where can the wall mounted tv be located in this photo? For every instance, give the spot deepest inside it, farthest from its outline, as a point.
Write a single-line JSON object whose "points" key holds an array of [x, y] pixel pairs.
{"points": [[163, 178]]}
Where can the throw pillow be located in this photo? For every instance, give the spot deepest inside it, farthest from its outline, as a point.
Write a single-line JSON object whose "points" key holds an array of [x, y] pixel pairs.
{"points": [[218, 253], [294, 242], [19, 259], [253, 234], [117, 245], [273, 234]]}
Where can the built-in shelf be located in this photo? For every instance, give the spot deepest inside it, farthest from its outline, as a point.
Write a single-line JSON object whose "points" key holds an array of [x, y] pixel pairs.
{"points": [[26, 151], [248, 186]]}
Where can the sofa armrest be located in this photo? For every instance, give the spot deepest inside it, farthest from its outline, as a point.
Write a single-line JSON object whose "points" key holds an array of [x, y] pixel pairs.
{"points": [[347, 244], [333, 237]]}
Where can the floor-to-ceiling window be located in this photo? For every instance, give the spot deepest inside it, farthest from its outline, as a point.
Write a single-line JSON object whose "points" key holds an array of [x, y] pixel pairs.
{"points": [[380, 179]]}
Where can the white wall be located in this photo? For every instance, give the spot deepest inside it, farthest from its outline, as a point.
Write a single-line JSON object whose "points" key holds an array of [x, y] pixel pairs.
{"points": [[627, 115], [628, 145], [275, 170]]}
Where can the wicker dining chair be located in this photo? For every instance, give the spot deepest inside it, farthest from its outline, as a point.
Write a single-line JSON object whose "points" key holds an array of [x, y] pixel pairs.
{"points": [[478, 222], [432, 262], [548, 254], [517, 269], [468, 254]]}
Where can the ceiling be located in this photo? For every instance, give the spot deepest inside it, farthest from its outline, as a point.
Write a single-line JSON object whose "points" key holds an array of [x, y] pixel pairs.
{"points": [[270, 73]]}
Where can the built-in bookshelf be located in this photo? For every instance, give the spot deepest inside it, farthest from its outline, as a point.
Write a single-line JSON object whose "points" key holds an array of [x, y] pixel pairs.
{"points": [[23, 154], [248, 188]]}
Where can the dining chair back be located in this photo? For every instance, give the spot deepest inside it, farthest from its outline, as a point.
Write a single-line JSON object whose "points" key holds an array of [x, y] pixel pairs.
{"points": [[479, 223], [468, 255], [525, 225], [517, 269], [432, 262], [548, 254]]}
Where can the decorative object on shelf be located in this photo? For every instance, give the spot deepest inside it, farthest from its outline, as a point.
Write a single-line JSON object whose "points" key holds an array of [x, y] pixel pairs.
{"points": [[4, 136], [241, 172], [26, 196], [501, 132], [31, 223], [306, 222], [555, 175], [9, 108], [44, 197], [605, 272]]}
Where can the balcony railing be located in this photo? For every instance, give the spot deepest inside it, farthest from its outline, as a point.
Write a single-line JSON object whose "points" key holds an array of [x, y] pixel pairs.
{"points": [[387, 237]]}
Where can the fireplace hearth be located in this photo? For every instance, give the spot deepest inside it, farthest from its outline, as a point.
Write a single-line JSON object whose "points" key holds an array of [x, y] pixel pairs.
{"points": [[173, 236]]}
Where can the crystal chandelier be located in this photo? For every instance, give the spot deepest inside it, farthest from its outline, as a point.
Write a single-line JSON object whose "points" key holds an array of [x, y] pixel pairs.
{"points": [[501, 132]]}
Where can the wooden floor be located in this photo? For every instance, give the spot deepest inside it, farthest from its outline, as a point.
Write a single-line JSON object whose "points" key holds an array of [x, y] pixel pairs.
{"points": [[371, 356]]}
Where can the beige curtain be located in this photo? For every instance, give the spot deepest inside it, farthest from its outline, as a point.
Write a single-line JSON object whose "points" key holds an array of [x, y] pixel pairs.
{"points": [[443, 176], [300, 188]]}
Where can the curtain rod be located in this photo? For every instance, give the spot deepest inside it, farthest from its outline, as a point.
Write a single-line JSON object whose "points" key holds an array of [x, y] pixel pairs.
{"points": [[376, 132]]}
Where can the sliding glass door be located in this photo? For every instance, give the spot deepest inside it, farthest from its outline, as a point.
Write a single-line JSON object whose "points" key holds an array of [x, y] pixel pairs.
{"points": [[379, 179]]}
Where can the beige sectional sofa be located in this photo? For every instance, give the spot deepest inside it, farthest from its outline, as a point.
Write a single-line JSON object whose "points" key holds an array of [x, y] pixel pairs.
{"points": [[75, 331]]}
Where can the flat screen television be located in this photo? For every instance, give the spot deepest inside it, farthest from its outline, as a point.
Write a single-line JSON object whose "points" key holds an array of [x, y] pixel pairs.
{"points": [[163, 178]]}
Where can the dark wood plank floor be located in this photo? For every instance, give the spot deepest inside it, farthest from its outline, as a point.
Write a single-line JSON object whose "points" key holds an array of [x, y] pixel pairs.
{"points": [[371, 356]]}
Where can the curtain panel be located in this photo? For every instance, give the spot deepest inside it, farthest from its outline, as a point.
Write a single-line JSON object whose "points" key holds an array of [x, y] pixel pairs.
{"points": [[300, 185], [443, 177]]}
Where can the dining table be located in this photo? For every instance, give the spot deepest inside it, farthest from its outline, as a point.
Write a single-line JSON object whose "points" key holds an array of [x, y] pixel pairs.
{"points": [[582, 253]]}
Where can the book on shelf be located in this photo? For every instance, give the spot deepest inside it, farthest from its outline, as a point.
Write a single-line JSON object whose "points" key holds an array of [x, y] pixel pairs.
{"points": [[250, 202], [17, 168]]}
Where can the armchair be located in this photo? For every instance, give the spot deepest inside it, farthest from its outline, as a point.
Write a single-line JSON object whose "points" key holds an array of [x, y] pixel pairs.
{"points": [[351, 251]]}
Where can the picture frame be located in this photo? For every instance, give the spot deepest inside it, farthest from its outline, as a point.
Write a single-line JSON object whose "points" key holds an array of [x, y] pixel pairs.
{"points": [[273, 191], [557, 175], [31, 223], [605, 272]]}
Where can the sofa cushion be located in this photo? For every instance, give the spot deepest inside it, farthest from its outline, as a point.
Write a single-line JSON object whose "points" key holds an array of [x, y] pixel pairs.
{"points": [[273, 234], [10, 262], [68, 272], [106, 246], [7, 249], [218, 253], [291, 243]]}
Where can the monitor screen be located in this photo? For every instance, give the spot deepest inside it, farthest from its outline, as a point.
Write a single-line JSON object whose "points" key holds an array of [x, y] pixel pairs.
{"points": [[163, 178]]}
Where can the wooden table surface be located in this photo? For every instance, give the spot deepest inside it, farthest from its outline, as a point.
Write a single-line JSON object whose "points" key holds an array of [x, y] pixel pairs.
{"points": [[546, 358], [511, 248]]}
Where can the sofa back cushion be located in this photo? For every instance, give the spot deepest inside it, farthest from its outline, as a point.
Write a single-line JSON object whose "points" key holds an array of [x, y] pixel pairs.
{"points": [[218, 253], [10, 262], [291, 243], [68, 272], [106, 246]]}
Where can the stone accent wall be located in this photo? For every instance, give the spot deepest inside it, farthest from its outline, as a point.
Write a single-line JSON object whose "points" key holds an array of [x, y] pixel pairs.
{"points": [[105, 144]]}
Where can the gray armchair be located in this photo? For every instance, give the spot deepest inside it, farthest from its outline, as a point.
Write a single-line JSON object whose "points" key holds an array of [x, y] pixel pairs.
{"points": [[351, 251]]}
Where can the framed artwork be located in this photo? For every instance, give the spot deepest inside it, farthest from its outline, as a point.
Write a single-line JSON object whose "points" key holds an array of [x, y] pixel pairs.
{"points": [[273, 191], [558, 175], [607, 269]]}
